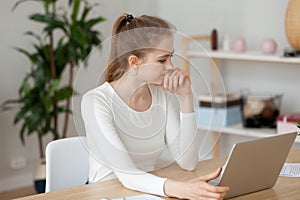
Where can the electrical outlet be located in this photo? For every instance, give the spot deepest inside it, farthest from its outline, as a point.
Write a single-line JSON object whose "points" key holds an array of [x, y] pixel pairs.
{"points": [[18, 163]]}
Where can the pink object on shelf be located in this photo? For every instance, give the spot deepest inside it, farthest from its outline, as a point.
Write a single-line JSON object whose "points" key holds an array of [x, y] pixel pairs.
{"points": [[287, 123], [268, 46], [240, 45]]}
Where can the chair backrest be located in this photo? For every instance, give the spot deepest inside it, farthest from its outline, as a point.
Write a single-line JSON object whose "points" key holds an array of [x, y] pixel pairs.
{"points": [[67, 163]]}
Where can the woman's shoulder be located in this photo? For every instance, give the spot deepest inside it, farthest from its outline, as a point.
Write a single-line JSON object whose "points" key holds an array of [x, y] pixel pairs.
{"points": [[96, 100], [101, 92]]}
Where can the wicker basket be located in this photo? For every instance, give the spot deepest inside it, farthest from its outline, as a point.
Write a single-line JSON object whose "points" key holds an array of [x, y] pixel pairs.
{"points": [[292, 24], [261, 110]]}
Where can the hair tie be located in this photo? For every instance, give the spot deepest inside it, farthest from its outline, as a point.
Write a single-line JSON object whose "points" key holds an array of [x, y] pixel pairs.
{"points": [[129, 17]]}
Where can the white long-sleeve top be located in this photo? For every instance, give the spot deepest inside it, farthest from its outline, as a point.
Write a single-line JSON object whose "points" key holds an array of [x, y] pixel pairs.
{"points": [[127, 144]]}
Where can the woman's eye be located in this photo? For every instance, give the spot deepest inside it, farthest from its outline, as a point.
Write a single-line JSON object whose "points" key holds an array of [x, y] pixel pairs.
{"points": [[162, 61]]}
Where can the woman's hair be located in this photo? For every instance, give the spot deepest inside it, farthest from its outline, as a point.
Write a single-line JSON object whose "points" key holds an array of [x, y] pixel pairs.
{"points": [[133, 36]]}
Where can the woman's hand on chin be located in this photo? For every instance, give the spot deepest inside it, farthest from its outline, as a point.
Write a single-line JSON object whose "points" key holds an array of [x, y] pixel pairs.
{"points": [[177, 81]]}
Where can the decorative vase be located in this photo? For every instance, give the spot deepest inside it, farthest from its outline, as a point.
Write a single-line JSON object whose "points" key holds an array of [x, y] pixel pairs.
{"points": [[268, 46], [292, 24], [226, 43], [240, 45]]}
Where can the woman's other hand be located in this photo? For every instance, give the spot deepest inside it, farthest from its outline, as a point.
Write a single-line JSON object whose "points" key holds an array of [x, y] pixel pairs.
{"points": [[197, 189]]}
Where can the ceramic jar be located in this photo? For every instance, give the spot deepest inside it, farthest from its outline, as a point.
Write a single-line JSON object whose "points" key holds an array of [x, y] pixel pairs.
{"points": [[240, 45], [268, 46]]}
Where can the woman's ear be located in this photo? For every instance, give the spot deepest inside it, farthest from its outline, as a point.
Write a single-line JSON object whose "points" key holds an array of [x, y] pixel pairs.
{"points": [[133, 61]]}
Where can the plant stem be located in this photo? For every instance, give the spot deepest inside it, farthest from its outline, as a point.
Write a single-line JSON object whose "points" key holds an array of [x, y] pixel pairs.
{"points": [[41, 146], [52, 63], [53, 68], [66, 122]]}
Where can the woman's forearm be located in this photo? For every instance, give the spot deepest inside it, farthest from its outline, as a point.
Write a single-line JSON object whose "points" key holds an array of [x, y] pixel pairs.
{"points": [[186, 103], [174, 188]]}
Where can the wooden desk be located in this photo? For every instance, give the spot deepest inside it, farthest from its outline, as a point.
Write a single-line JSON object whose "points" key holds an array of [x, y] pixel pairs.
{"points": [[284, 189]]}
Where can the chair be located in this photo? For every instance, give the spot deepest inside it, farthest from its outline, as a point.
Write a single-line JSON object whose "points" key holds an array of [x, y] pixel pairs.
{"points": [[67, 163]]}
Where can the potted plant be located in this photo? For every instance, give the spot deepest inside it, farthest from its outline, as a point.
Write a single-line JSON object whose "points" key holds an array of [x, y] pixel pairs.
{"points": [[67, 38]]}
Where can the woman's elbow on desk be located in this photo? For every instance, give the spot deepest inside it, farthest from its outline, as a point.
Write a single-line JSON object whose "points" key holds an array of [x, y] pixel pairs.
{"points": [[188, 166], [188, 161]]}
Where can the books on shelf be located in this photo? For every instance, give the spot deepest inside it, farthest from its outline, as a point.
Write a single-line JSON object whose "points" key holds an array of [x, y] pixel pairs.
{"points": [[220, 100], [219, 110], [287, 122]]}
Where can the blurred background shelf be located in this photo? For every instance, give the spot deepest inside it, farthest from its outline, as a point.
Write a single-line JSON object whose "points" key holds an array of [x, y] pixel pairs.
{"points": [[239, 130], [247, 56], [216, 57]]}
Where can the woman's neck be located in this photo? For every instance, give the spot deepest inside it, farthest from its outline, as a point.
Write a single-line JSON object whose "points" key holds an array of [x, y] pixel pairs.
{"points": [[135, 94]]}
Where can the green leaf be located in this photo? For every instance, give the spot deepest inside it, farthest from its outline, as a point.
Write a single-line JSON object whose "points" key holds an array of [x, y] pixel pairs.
{"points": [[90, 23], [53, 26], [39, 76], [25, 88], [85, 12], [44, 18], [34, 35], [51, 21], [59, 110], [22, 1], [70, 2], [30, 56], [63, 93], [22, 113], [72, 50], [5, 105], [75, 10], [22, 133], [65, 20], [32, 126], [53, 86]]}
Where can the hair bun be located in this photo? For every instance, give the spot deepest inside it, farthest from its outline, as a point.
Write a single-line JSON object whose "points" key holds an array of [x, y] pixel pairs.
{"points": [[129, 17]]}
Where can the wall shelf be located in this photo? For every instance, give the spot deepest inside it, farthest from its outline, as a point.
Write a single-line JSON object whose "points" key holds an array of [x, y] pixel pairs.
{"points": [[247, 56], [238, 129], [215, 57]]}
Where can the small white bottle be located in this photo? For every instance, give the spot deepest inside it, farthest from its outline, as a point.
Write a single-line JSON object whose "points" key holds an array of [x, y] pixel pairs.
{"points": [[226, 43]]}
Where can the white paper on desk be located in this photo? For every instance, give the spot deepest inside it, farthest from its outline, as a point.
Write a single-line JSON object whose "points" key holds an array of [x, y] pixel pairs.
{"points": [[290, 170], [140, 197]]}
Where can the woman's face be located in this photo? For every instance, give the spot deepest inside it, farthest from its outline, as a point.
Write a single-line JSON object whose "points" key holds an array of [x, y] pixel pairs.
{"points": [[157, 62]]}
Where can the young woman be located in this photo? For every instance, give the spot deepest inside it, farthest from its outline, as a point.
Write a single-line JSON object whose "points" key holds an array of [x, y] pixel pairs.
{"points": [[133, 122]]}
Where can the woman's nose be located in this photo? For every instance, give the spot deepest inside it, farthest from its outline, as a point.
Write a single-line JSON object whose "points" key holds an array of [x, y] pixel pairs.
{"points": [[169, 66]]}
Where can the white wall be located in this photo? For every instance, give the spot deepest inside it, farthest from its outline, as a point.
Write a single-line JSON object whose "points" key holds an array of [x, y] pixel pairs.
{"points": [[252, 19]]}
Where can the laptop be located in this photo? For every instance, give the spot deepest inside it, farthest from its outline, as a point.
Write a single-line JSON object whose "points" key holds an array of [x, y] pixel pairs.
{"points": [[255, 165]]}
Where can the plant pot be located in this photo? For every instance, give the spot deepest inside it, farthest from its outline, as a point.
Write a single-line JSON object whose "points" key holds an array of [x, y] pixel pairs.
{"points": [[39, 178], [292, 24]]}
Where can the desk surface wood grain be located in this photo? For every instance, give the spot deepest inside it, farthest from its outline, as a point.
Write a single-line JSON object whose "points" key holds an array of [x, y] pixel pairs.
{"points": [[284, 189]]}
